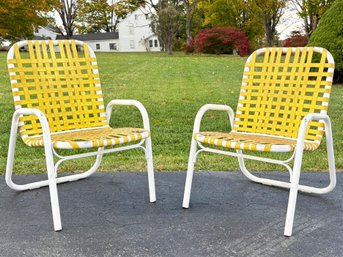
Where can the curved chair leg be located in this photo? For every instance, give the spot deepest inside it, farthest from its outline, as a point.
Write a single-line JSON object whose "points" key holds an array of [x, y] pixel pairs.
{"points": [[51, 177], [189, 177], [150, 166], [43, 183]]}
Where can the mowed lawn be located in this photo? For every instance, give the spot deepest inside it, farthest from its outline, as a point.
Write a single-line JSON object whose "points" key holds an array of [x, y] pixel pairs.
{"points": [[172, 88]]}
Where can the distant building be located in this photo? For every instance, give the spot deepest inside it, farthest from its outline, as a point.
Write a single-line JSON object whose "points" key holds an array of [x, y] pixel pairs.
{"points": [[133, 34], [44, 33]]}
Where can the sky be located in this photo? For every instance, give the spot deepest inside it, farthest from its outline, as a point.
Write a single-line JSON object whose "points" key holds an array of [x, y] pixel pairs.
{"points": [[289, 22]]}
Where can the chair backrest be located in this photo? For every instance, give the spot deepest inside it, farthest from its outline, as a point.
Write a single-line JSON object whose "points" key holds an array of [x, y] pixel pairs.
{"points": [[61, 79], [282, 85]]}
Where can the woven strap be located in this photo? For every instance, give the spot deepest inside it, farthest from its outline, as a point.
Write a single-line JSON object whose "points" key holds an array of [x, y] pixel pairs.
{"points": [[253, 142], [90, 138], [279, 89], [61, 79]]}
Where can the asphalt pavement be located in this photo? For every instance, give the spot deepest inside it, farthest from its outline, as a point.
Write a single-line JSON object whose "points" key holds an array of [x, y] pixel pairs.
{"points": [[109, 214]]}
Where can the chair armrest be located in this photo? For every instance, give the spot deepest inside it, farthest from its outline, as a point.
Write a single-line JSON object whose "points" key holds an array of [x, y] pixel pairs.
{"points": [[131, 102], [41, 117], [305, 123], [215, 107]]}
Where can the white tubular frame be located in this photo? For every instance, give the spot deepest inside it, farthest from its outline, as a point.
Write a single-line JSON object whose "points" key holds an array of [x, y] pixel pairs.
{"points": [[50, 152], [293, 185], [52, 167]]}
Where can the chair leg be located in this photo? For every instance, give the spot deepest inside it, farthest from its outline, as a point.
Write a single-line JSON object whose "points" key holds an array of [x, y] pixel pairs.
{"points": [[56, 216], [150, 167], [293, 192], [189, 177]]}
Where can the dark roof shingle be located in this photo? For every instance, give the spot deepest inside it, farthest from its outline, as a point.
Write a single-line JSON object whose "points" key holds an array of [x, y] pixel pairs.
{"points": [[93, 36]]}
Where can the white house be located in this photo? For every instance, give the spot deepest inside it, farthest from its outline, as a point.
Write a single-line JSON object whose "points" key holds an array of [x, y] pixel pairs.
{"points": [[133, 35], [44, 33]]}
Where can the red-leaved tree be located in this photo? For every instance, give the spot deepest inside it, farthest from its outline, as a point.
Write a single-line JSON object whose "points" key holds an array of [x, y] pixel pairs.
{"points": [[296, 39], [221, 40]]}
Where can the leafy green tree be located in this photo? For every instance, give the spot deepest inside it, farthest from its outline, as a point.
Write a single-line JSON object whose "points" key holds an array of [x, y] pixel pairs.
{"points": [[100, 15], [234, 13], [190, 6], [270, 12], [166, 25], [329, 34], [19, 17], [311, 11]]}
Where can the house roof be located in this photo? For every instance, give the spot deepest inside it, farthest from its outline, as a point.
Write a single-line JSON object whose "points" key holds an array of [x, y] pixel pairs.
{"points": [[94, 36]]}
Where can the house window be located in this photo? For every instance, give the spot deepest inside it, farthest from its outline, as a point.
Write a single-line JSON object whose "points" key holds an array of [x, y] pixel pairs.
{"points": [[146, 16], [156, 43], [136, 16], [36, 30], [151, 43], [132, 44], [97, 46], [113, 46], [131, 29]]}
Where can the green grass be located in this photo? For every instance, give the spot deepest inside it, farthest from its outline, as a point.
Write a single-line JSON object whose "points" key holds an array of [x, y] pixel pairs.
{"points": [[172, 88]]}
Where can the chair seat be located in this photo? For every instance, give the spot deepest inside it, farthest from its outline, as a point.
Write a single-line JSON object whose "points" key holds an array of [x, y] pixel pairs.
{"points": [[253, 142], [90, 138]]}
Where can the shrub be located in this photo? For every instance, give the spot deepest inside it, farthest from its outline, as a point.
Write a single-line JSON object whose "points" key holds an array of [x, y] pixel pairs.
{"points": [[329, 34], [296, 39], [221, 40]]}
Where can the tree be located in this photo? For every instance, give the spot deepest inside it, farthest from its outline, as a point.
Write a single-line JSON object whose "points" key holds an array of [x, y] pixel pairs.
{"points": [[19, 17], [329, 34], [99, 15], [221, 40], [311, 11], [295, 40], [234, 13], [166, 24], [67, 11], [270, 11], [190, 7]]}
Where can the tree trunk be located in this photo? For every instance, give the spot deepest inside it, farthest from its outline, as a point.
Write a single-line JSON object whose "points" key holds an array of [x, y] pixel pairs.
{"points": [[188, 26]]}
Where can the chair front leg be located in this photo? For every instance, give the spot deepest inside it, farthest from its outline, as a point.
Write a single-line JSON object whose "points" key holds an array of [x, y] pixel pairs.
{"points": [[293, 192], [52, 176], [189, 177]]}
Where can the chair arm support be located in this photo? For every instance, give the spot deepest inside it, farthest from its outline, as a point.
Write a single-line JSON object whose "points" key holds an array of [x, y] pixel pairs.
{"points": [[305, 123], [214, 107], [135, 103], [41, 117]]}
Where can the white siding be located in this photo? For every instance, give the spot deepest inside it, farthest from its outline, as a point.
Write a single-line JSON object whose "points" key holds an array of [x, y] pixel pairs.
{"points": [[104, 45], [135, 32]]}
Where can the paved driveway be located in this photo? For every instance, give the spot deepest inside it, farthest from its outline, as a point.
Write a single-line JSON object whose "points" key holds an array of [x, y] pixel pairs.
{"points": [[109, 214]]}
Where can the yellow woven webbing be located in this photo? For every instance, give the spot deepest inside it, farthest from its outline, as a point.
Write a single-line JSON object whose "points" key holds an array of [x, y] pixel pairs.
{"points": [[62, 81], [278, 90]]}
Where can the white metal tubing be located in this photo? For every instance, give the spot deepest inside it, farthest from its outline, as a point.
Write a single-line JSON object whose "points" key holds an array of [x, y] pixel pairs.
{"points": [[49, 160], [150, 167], [85, 174], [189, 176], [148, 149], [14, 129], [56, 216], [297, 166], [192, 153], [135, 103], [74, 177]]}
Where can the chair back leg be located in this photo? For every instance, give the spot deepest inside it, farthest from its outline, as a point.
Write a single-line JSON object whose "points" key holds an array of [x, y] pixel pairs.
{"points": [[150, 167]]}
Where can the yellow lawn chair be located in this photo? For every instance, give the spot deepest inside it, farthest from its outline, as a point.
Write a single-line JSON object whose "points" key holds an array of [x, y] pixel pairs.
{"points": [[282, 107], [59, 105]]}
